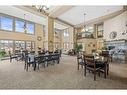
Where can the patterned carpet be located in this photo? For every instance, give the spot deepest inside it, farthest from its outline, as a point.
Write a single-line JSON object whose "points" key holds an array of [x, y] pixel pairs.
{"points": [[59, 76]]}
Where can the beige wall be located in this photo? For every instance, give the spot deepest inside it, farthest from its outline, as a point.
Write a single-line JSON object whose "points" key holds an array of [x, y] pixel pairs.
{"points": [[116, 24], [69, 39], [88, 44], [11, 35], [38, 32], [57, 40]]}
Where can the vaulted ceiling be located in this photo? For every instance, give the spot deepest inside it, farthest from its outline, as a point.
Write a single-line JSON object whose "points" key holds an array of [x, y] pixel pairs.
{"points": [[70, 15], [75, 15]]}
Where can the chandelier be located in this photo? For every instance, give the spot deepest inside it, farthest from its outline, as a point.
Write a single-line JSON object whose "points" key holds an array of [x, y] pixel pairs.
{"points": [[84, 26], [42, 8], [24, 26]]}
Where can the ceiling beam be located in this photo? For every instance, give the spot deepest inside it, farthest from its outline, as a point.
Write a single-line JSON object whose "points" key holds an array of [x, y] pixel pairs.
{"points": [[59, 11], [100, 19], [31, 10], [63, 22]]}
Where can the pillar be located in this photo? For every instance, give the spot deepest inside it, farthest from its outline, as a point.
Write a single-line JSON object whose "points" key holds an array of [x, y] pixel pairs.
{"points": [[50, 34]]}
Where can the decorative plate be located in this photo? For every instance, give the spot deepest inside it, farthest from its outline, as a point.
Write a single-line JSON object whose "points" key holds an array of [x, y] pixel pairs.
{"points": [[39, 38], [113, 35]]}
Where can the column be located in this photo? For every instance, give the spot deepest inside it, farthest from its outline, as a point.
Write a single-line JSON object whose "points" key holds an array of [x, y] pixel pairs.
{"points": [[50, 34]]}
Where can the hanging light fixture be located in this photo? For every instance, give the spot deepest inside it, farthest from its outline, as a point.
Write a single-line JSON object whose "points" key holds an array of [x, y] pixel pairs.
{"points": [[42, 8], [25, 27], [84, 26]]}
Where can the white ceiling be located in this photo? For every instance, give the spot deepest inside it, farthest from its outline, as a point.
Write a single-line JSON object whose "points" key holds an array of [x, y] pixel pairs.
{"points": [[76, 14], [59, 26], [16, 12]]}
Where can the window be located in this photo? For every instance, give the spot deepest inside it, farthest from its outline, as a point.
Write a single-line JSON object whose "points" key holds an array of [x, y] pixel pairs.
{"points": [[6, 23], [19, 45], [30, 45], [100, 31], [44, 30], [19, 25], [66, 33], [30, 28], [6, 45]]}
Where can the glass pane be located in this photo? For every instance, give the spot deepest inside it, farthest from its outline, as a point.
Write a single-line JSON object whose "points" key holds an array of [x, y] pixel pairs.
{"points": [[19, 26], [6, 23], [28, 46], [30, 28], [17, 45], [44, 30], [6, 45], [33, 45], [66, 33]]}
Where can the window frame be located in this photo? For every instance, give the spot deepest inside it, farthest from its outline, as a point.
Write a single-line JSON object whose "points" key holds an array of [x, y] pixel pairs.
{"points": [[7, 16], [29, 22], [15, 24], [44, 30], [66, 31]]}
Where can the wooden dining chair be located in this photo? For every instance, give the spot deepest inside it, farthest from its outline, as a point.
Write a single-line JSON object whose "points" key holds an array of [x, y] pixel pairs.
{"points": [[56, 58], [12, 56], [105, 68], [80, 61], [40, 60], [30, 60], [107, 58], [90, 65]]}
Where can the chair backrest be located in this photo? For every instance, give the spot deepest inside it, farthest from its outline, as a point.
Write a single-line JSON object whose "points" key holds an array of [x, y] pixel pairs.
{"points": [[56, 56], [80, 58], [31, 58], [89, 60], [106, 55]]}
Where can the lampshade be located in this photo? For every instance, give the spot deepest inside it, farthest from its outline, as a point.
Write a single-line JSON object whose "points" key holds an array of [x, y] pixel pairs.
{"points": [[84, 27]]}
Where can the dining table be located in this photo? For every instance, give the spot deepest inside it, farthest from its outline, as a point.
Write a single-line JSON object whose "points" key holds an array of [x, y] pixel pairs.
{"points": [[47, 57], [102, 62]]}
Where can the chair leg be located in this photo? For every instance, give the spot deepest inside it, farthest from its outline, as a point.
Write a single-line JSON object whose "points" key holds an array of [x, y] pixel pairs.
{"points": [[107, 69], [34, 66], [82, 66], [94, 75], [58, 61], [99, 73], [105, 72], [44, 64], [38, 66], [27, 67], [85, 71], [10, 60]]}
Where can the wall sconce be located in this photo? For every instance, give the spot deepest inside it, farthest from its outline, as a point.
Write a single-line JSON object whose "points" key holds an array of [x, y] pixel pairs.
{"points": [[39, 38], [124, 32]]}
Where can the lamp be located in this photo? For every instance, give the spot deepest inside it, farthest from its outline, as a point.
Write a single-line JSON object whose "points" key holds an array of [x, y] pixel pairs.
{"points": [[42, 8], [84, 27], [25, 27]]}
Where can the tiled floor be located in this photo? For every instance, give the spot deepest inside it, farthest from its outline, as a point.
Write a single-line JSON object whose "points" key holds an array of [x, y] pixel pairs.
{"points": [[59, 76]]}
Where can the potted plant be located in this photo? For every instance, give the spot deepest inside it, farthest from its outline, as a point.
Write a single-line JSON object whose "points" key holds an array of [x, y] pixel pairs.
{"points": [[2, 53], [78, 47]]}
